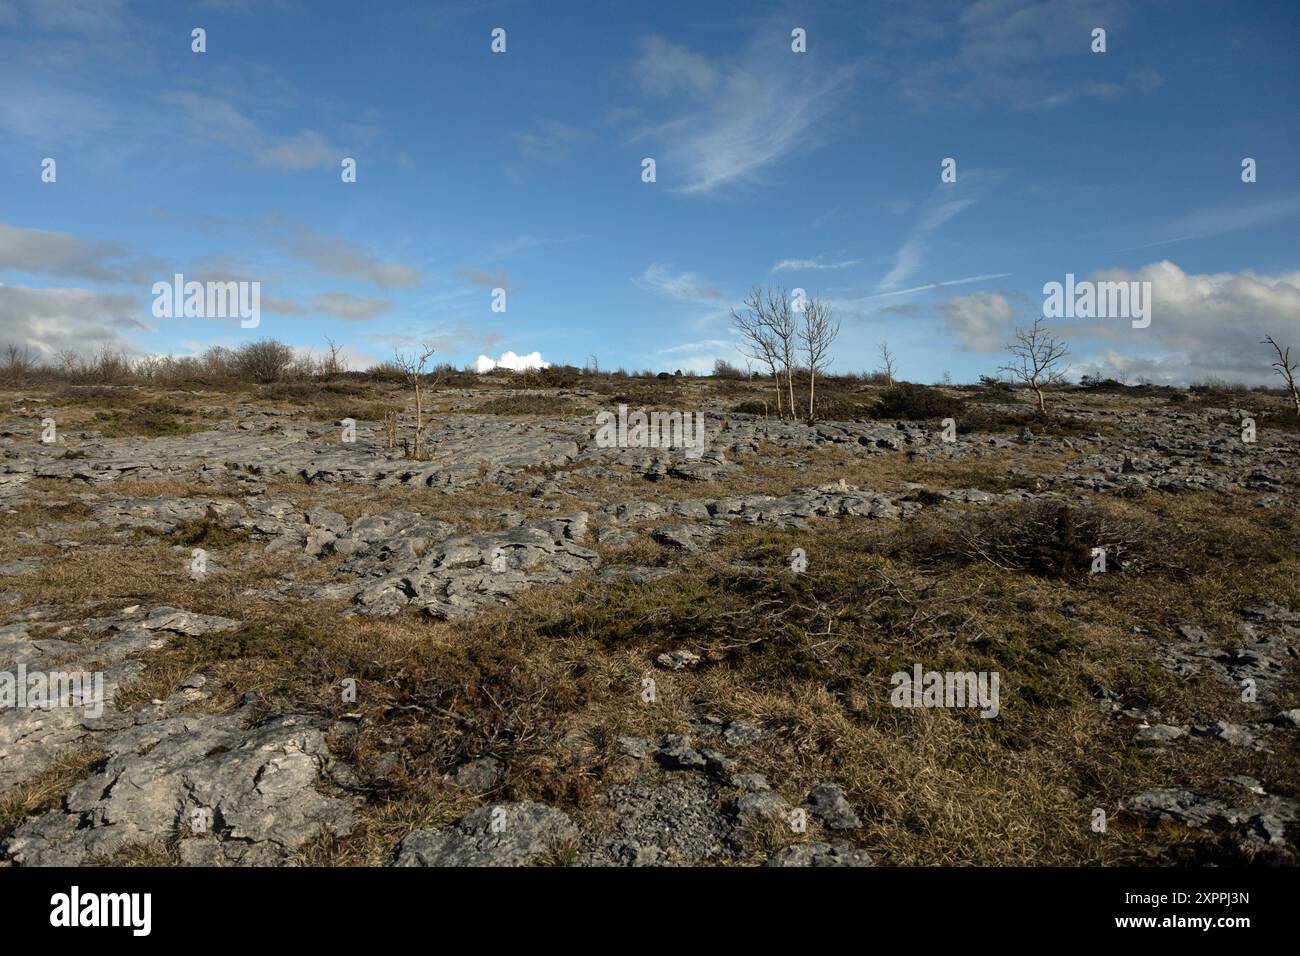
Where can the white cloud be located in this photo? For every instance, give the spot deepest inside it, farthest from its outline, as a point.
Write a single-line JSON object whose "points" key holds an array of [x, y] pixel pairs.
{"points": [[510, 360], [981, 320], [47, 321], [1204, 325]]}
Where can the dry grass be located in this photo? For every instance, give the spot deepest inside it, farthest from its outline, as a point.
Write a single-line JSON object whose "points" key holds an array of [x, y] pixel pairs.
{"points": [[549, 683], [44, 791]]}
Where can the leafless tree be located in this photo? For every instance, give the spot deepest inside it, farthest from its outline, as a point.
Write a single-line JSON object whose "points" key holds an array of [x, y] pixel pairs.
{"points": [[887, 360], [18, 362], [785, 332], [332, 362], [412, 367], [757, 339], [817, 334], [1286, 368], [1036, 357]]}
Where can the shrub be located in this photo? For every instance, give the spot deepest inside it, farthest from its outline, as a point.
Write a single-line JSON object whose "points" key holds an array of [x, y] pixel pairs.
{"points": [[724, 369], [553, 376], [263, 362], [1096, 383], [526, 405], [1049, 539], [916, 403], [148, 420]]}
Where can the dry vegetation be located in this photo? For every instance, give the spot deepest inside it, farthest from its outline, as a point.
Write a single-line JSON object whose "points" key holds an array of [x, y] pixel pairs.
{"points": [[547, 685]]}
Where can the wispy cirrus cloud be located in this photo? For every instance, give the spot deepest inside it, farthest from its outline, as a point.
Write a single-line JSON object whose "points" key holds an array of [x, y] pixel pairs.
{"points": [[527, 243], [992, 52], [683, 286], [214, 120], [350, 308], [809, 264], [942, 207], [741, 116], [485, 280], [337, 256], [1219, 220]]}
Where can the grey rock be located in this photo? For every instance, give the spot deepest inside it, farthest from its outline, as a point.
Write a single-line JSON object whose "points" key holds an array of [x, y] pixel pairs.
{"points": [[676, 753], [739, 733], [821, 854], [260, 786], [479, 775], [760, 808], [637, 747], [506, 834], [830, 806], [677, 823]]}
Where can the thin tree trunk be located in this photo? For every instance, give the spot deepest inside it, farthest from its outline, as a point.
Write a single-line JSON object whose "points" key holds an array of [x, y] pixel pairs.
{"points": [[419, 419], [812, 385]]}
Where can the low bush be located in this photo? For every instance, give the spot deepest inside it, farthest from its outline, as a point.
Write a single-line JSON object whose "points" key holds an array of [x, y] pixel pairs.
{"points": [[917, 403]]}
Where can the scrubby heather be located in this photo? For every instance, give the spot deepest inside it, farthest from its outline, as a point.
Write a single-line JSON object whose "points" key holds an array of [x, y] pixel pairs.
{"points": [[527, 645]]}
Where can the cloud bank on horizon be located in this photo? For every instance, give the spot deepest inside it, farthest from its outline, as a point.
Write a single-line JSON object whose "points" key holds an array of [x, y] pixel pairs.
{"points": [[927, 169]]}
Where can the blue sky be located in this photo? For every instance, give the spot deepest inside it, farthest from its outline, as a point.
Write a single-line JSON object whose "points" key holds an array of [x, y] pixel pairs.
{"points": [[522, 171]]}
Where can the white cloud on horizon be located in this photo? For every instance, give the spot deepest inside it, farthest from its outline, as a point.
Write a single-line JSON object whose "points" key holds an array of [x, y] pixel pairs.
{"points": [[1202, 325], [510, 360], [47, 321]]}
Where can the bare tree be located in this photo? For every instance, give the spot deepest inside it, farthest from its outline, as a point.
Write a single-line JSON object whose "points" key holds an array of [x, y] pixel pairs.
{"points": [[757, 339], [18, 362], [817, 335], [1036, 357], [887, 359], [785, 332], [1286, 368], [412, 368], [332, 362]]}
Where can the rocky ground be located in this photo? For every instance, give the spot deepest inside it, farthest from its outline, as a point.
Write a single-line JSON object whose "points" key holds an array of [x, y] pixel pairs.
{"points": [[528, 649]]}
